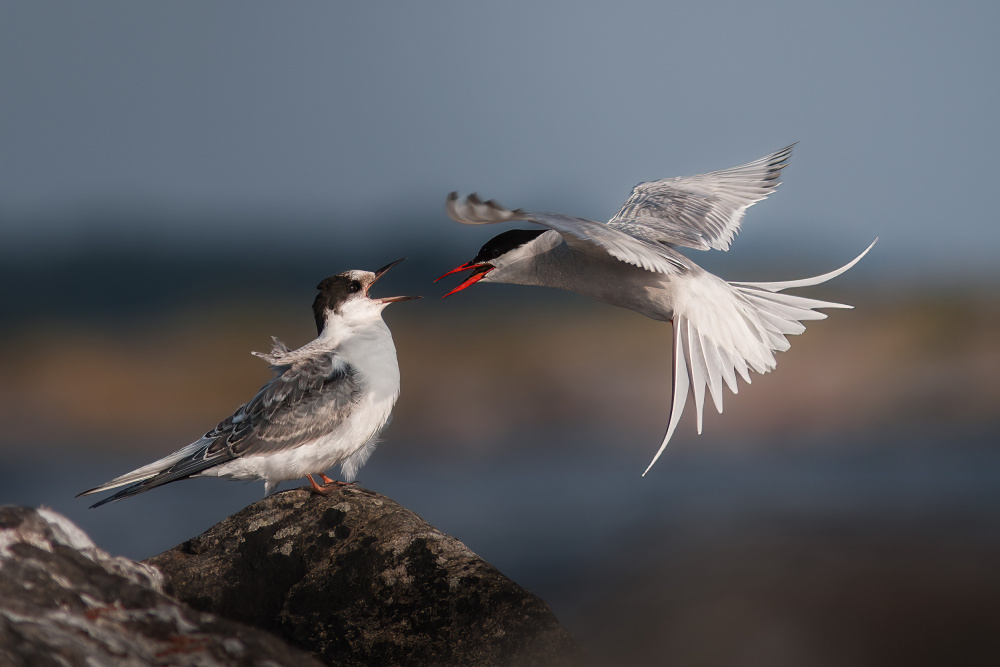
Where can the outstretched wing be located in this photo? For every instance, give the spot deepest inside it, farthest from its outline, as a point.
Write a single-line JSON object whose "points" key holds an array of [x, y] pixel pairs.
{"points": [[645, 253], [702, 212], [306, 400]]}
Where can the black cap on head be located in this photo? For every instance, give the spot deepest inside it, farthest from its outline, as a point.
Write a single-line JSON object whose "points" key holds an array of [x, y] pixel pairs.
{"points": [[333, 291], [504, 243]]}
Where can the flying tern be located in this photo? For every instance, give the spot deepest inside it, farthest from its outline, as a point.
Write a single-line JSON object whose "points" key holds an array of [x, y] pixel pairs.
{"points": [[721, 328], [325, 406]]}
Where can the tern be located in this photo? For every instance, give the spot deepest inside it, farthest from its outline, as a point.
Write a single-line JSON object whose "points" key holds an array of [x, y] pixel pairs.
{"points": [[720, 328], [326, 405]]}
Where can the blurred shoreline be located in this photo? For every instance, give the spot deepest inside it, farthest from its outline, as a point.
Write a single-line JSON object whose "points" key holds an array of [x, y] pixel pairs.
{"points": [[484, 369]]}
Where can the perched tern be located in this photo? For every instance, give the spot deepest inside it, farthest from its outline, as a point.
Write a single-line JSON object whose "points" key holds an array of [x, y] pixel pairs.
{"points": [[720, 328], [326, 404]]}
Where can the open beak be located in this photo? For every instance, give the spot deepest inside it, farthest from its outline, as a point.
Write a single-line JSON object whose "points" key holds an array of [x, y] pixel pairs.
{"points": [[479, 271], [389, 299], [378, 274], [394, 299]]}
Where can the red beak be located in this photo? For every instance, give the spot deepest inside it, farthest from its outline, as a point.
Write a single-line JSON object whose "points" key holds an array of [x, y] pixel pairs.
{"points": [[479, 271]]}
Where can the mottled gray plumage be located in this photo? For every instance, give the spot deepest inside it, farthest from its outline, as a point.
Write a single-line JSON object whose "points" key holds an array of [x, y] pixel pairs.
{"points": [[305, 400]]}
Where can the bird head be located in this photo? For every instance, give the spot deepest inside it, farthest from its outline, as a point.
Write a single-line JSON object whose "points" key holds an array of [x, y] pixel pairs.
{"points": [[345, 296], [497, 255]]}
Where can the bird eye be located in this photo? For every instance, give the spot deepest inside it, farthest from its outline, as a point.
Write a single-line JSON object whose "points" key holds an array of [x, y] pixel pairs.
{"points": [[496, 253], [354, 286]]}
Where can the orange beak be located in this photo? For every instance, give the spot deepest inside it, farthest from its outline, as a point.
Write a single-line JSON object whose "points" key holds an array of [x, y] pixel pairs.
{"points": [[479, 271]]}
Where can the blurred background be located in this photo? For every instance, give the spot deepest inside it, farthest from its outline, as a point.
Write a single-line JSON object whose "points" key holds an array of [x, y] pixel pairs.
{"points": [[177, 177]]}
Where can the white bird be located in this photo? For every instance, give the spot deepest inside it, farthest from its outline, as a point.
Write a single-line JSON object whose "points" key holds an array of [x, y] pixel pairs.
{"points": [[326, 404], [720, 328]]}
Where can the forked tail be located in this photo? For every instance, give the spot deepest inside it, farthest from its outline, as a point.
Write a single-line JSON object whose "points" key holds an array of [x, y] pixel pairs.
{"points": [[721, 329]]}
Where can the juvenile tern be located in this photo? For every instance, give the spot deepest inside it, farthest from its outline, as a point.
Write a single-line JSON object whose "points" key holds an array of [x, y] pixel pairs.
{"points": [[720, 328], [326, 404]]}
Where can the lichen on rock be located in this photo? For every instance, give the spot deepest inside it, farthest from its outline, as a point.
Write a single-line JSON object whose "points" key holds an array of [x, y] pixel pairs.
{"points": [[357, 579], [63, 601]]}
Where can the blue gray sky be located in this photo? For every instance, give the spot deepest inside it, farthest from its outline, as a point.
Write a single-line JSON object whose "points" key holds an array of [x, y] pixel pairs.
{"points": [[332, 121]]}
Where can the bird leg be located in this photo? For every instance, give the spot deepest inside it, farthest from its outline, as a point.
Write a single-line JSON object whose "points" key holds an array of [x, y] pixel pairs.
{"points": [[316, 488]]}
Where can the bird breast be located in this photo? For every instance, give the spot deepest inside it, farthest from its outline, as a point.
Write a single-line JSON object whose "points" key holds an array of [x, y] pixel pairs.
{"points": [[372, 352]]}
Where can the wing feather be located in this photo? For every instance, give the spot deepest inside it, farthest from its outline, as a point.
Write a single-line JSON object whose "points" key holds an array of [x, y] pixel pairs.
{"points": [[636, 250], [304, 401], [704, 211]]}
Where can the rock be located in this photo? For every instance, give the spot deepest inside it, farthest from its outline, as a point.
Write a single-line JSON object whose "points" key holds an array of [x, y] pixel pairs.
{"points": [[63, 602], [356, 579]]}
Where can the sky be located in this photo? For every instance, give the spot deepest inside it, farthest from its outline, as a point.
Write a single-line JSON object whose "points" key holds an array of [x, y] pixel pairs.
{"points": [[347, 123]]}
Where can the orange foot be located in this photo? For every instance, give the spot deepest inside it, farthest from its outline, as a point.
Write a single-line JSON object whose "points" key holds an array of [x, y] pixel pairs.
{"points": [[316, 488], [327, 480]]}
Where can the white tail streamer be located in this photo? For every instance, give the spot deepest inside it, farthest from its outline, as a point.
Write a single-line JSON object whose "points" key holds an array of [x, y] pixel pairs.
{"points": [[721, 329]]}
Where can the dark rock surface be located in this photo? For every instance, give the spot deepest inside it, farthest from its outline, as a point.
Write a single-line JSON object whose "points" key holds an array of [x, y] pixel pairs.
{"points": [[63, 602], [356, 579]]}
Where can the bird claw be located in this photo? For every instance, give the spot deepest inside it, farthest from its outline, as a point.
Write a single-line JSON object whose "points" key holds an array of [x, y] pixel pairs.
{"points": [[328, 484]]}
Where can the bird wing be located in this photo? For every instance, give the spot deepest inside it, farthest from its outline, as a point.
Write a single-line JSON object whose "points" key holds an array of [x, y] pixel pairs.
{"points": [[304, 401], [307, 400], [646, 253], [701, 212]]}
